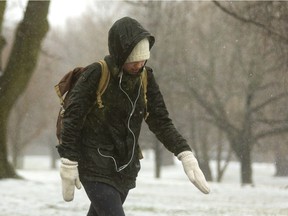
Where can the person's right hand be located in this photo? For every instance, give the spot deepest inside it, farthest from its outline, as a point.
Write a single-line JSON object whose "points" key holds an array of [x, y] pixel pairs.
{"points": [[70, 178]]}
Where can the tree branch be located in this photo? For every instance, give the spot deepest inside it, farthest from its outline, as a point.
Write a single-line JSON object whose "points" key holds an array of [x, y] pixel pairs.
{"points": [[271, 132], [250, 21], [269, 101]]}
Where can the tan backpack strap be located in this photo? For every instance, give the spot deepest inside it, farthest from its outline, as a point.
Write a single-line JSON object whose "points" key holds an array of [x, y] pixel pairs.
{"points": [[103, 83], [144, 84], [58, 92], [57, 89]]}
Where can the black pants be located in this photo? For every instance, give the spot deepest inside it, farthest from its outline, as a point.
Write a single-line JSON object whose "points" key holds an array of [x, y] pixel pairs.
{"points": [[105, 199]]}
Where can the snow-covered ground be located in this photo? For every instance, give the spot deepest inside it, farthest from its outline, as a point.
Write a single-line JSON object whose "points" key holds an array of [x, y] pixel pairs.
{"points": [[40, 193]]}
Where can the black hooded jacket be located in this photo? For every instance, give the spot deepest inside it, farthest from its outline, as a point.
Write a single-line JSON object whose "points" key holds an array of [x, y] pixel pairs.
{"points": [[104, 141]]}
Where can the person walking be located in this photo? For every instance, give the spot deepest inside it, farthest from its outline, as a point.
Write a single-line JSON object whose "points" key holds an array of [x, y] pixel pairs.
{"points": [[99, 145]]}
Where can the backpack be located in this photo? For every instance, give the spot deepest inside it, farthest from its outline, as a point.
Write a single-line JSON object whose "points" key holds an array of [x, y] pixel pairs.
{"points": [[66, 84]]}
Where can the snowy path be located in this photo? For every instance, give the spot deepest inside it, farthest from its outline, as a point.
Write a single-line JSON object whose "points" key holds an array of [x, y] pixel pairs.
{"points": [[172, 195]]}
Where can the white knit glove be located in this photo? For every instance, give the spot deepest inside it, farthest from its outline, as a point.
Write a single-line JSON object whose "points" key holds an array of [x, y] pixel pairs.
{"points": [[70, 178], [192, 170]]}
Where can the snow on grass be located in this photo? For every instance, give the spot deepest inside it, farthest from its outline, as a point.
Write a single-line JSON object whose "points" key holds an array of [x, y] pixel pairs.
{"points": [[173, 194]]}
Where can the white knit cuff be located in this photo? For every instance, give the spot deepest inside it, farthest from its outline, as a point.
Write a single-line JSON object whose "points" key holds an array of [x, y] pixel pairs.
{"points": [[184, 154], [68, 162]]}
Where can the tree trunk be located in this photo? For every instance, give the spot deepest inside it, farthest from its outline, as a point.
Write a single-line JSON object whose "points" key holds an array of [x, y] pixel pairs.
{"points": [[220, 157], [158, 158], [6, 170], [204, 160], [2, 39], [21, 64], [246, 168], [243, 152], [54, 156], [281, 159]]}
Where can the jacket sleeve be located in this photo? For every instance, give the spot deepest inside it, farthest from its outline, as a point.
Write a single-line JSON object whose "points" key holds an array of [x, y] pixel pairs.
{"points": [[158, 119], [81, 99]]}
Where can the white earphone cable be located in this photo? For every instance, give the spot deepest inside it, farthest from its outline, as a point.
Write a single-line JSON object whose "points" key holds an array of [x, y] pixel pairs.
{"points": [[133, 105]]}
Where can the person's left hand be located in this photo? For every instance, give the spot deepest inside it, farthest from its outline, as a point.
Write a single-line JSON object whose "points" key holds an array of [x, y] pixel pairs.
{"points": [[70, 178], [193, 171]]}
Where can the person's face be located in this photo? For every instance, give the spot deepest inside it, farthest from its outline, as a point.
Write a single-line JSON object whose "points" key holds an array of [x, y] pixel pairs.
{"points": [[133, 67]]}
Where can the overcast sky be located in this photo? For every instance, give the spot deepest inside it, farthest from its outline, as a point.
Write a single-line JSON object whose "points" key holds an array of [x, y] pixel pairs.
{"points": [[59, 10]]}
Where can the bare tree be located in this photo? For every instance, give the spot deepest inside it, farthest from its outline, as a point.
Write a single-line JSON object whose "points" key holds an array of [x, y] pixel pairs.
{"points": [[20, 66], [270, 16], [20, 134], [243, 110]]}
